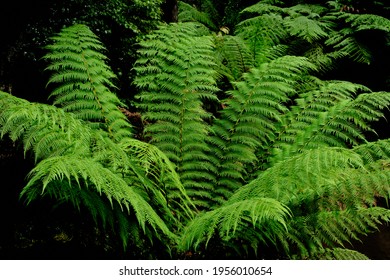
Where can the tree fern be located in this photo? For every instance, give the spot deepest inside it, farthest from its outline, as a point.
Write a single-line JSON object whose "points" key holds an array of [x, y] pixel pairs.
{"points": [[297, 30], [282, 138], [284, 164], [323, 33], [84, 81]]}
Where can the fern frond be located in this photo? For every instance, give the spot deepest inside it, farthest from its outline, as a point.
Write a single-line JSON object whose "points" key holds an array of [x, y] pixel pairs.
{"points": [[229, 217], [368, 22], [339, 254], [262, 8], [330, 116], [84, 80], [248, 123], [306, 173], [189, 13], [372, 152], [349, 46], [234, 55], [157, 166], [261, 33], [309, 29], [331, 194], [76, 162], [347, 39], [175, 76], [44, 129], [83, 172], [335, 228]]}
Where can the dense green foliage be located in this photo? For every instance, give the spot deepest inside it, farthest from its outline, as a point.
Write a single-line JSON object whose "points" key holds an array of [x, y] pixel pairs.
{"points": [[248, 145]]}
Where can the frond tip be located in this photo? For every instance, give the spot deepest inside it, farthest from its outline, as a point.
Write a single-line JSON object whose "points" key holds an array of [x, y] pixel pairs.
{"points": [[226, 219], [87, 173]]}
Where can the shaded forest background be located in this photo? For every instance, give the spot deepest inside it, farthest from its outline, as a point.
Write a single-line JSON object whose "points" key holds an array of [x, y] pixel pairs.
{"points": [[40, 230]]}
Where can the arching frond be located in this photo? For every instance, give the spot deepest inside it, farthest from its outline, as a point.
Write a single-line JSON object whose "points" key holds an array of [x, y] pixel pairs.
{"points": [[248, 123], [228, 218], [307, 28], [157, 166], [44, 129], [374, 151], [76, 163], [368, 22], [347, 39], [331, 195], [82, 172], [330, 116]]}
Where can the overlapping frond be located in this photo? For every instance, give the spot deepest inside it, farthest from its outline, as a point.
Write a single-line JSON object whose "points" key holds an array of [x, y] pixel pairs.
{"points": [[307, 28], [82, 172], [284, 164], [234, 56], [331, 115], [45, 130], [297, 30], [347, 40], [229, 219], [77, 164], [332, 196], [261, 33], [249, 121]]}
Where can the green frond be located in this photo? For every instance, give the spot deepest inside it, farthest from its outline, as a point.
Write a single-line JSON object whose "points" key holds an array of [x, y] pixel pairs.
{"points": [[330, 116], [226, 219], [339, 254], [172, 96], [188, 13], [331, 194], [83, 80], [87, 173], [351, 47], [158, 167], [311, 10], [44, 129], [262, 8], [261, 33], [309, 29], [234, 55], [75, 163], [310, 173], [347, 39], [372, 152], [368, 22], [249, 121], [333, 229]]}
